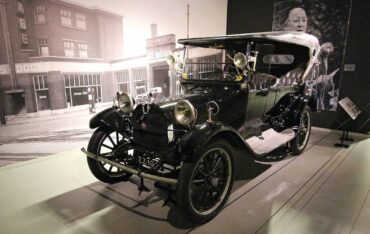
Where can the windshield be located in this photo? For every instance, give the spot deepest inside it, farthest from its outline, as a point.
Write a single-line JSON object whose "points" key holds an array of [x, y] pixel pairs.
{"points": [[209, 64]]}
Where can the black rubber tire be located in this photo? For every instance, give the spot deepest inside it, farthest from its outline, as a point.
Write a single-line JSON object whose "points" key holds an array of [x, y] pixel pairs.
{"points": [[96, 167], [185, 181], [296, 145]]}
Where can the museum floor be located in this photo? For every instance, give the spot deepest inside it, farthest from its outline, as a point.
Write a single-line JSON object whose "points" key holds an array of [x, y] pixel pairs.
{"points": [[324, 190]]}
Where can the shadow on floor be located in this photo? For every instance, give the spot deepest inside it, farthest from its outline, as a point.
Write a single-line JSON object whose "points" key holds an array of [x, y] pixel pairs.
{"points": [[248, 167], [114, 208], [119, 207]]}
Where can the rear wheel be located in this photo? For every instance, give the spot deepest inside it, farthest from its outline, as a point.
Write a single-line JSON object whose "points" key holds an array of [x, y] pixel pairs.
{"points": [[205, 185], [109, 144], [299, 143]]}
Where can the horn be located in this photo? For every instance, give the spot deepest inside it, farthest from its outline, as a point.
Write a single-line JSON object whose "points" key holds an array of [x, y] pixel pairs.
{"points": [[240, 60]]}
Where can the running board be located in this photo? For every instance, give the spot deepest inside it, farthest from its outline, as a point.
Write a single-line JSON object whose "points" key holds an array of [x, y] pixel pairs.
{"points": [[270, 140]]}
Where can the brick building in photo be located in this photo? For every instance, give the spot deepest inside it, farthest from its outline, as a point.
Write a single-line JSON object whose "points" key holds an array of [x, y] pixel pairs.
{"points": [[53, 51]]}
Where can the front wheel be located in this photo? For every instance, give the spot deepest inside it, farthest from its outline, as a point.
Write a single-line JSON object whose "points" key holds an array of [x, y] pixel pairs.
{"points": [[205, 184], [109, 144], [299, 142]]}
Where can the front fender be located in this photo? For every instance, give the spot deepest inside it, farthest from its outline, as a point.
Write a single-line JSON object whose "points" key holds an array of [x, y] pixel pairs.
{"points": [[197, 138], [95, 121], [108, 119]]}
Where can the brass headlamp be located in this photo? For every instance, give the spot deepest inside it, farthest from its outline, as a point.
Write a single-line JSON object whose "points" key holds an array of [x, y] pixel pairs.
{"points": [[185, 112], [125, 102]]}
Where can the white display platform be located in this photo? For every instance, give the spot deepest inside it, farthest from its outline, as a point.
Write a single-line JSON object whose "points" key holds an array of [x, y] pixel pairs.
{"points": [[324, 190]]}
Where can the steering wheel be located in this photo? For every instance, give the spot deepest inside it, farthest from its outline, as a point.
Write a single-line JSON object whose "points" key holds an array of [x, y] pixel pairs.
{"points": [[230, 69], [231, 72]]}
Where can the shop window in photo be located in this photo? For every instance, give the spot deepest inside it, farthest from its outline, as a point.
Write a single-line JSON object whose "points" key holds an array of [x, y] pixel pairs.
{"points": [[82, 50], [43, 47], [40, 82], [139, 77], [22, 24], [77, 85], [66, 18], [41, 92], [20, 8], [25, 40], [69, 49], [40, 15], [76, 80], [123, 81], [80, 21]]}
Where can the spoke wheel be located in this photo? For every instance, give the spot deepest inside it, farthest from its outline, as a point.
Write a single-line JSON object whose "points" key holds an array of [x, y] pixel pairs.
{"points": [[205, 185], [299, 143], [108, 144]]}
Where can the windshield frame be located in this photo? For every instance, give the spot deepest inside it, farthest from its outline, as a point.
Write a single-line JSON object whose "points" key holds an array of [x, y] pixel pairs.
{"points": [[221, 76]]}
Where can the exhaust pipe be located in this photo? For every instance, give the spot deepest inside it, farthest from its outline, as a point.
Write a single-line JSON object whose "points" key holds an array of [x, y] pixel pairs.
{"points": [[129, 169]]}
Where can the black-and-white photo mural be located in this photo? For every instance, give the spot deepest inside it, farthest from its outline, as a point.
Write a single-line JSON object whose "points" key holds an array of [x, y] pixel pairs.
{"points": [[328, 21]]}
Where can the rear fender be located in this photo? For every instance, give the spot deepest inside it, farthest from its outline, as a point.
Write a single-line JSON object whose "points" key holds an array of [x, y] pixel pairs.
{"points": [[303, 99], [312, 103], [196, 139], [290, 106]]}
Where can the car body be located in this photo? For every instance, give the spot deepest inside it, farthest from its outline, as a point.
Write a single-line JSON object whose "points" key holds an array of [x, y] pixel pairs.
{"points": [[245, 92]]}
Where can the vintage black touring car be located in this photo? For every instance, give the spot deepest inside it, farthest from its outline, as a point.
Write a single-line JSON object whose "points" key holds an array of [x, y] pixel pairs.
{"points": [[247, 92]]}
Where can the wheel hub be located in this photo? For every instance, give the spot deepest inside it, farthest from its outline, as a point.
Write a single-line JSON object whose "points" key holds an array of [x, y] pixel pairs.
{"points": [[215, 182]]}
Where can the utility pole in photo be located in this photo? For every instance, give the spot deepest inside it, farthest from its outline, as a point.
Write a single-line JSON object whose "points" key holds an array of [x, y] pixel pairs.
{"points": [[2, 107], [187, 28], [187, 25]]}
